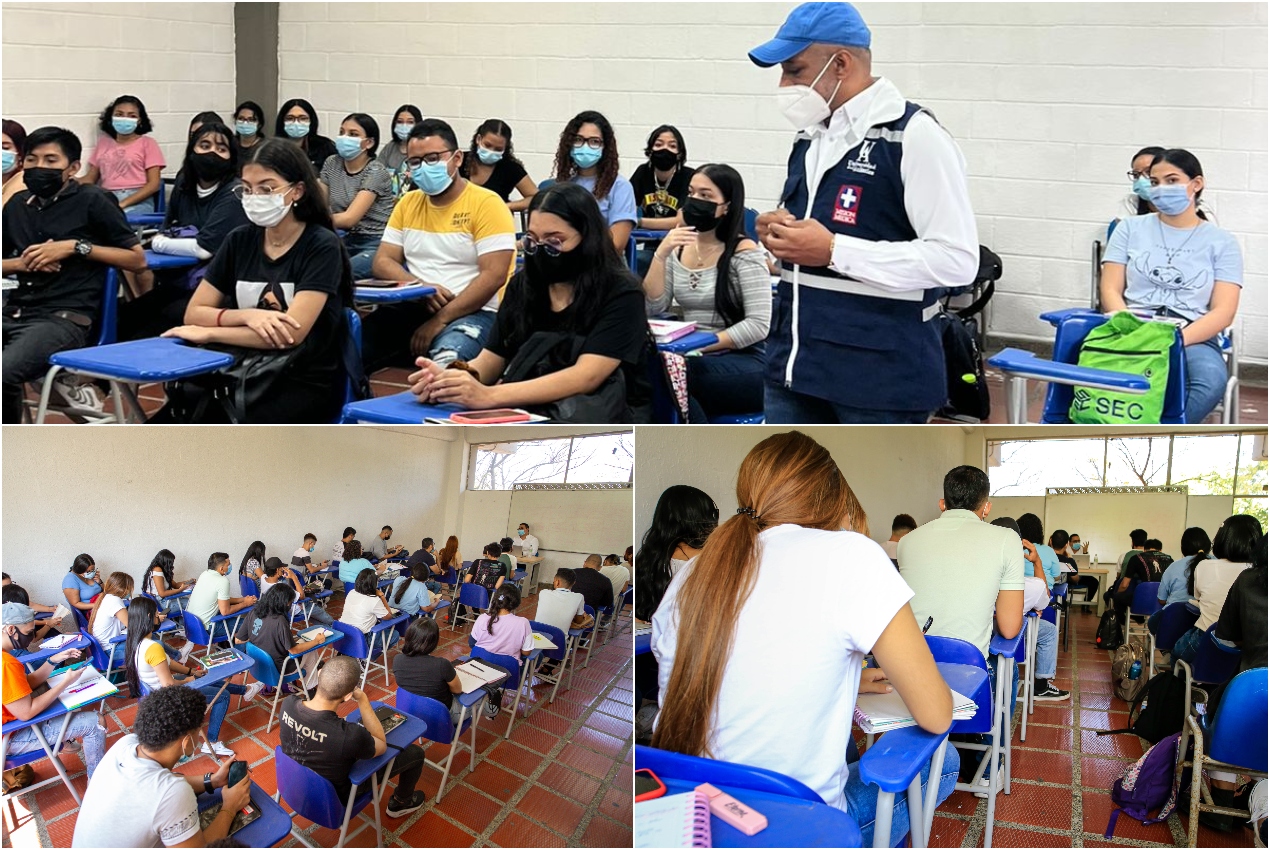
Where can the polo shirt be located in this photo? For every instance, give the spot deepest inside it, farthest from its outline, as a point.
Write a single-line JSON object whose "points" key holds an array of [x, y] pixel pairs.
{"points": [[76, 212]]}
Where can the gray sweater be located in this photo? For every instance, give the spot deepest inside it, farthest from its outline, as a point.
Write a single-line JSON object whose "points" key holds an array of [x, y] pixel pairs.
{"points": [[750, 277]]}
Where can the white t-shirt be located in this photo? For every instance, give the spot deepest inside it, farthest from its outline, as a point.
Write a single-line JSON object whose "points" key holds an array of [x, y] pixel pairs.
{"points": [[362, 612], [618, 576], [803, 680], [892, 549], [1213, 579], [677, 564], [1036, 593], [107, 625], [557, 607], [135, 802], [337, 551], [297, 610], [149, 653], [528, 545]]}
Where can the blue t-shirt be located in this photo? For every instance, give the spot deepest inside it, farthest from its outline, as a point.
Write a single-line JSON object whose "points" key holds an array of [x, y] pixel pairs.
{"points": [[86, 589], [1173, 582], [618, 204], [1049, 563], [1200, 257], [415, 597], [350, 569]]}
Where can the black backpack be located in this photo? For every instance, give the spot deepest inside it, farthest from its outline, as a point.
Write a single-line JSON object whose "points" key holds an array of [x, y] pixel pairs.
{"points": [[1159, 711], [960, 333], [1109, 637]]}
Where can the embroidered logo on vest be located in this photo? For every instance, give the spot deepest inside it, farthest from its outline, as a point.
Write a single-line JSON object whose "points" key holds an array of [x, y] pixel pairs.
{"points": [[847, 207], [861, 163]]}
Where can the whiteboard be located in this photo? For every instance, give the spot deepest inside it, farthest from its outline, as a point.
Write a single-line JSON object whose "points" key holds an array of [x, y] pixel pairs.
{"points": [[1207, 512], [585, 521], [1104, 520]]}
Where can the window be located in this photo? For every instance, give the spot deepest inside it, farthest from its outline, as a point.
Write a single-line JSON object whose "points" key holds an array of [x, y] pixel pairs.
{"points": [[1137, 461], [593, 459], [1027, 467], [1206, 465], [1250, 477]]}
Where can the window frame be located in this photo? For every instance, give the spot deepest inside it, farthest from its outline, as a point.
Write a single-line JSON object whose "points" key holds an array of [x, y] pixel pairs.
{"points": [[474, 450]]}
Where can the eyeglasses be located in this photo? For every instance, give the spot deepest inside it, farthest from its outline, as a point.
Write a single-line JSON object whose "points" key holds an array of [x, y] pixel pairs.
{"points": [[430, 158], [1134, 175], [551, 247], [296, 121], [592, 143], [241, 190]]}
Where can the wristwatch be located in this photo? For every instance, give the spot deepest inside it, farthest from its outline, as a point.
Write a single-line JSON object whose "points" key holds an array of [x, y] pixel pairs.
{"points": [[207, 783], [83, 247]]}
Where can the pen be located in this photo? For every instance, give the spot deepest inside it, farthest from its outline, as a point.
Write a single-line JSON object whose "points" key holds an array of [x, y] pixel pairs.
{"points": [[929, 621]]}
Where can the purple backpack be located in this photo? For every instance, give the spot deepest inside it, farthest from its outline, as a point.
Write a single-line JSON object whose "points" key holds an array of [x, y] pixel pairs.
{"points": [[1148, 784]]}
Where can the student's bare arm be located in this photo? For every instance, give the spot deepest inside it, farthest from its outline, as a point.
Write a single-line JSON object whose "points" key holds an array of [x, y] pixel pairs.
{"points": [[1009, 612], [902, 652]]}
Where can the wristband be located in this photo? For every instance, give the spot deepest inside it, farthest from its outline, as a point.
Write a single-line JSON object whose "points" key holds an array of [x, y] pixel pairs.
{"points": [[219, 315], [207, 783]]}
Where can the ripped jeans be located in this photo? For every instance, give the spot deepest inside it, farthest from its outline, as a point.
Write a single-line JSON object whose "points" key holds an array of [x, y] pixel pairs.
{"points": [[387, 331]]}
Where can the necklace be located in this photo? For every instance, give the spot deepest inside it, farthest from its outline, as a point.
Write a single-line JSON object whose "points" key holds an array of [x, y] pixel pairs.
{"points": [[1170, 253], [695, 276]]}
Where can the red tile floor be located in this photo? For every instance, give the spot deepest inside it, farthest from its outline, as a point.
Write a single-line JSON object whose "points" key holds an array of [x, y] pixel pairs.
{"points": [[1063, 772], [563, 779]]}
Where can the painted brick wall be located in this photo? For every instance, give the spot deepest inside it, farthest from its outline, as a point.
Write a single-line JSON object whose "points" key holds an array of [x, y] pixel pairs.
{"points": [[63, 62]]}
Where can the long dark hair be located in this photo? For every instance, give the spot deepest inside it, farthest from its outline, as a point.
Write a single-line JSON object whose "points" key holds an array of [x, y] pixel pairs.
{"points": [[141, 612], [164, 560], [505, 598], [418, 572], [1236, 541], [730, 230], [17, 134], [369, 126], [83, 563], [683, 515], [490, 125], [421, 637], [604, 272], [280, 125], [367, 582], [1194, 542], [1152, 151], [405, 107], [679, 140], [255, 550], [188, 184], [606, 168], [1188, 164], [143, 118]]}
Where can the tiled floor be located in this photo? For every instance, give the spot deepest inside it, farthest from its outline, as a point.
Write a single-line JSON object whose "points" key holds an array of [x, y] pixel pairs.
{"points": [[1063, 772], [563, 779]]}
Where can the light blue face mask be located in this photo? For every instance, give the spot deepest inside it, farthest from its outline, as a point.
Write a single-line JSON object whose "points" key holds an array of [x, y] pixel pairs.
{"points": [[1170, 200], [1075, 547], [487, 156], [123, 126], [297, 130], [348, 147], [246, 128], [432, 179], [402, 131], [1142, 188], [585, 157], [9, 159]]}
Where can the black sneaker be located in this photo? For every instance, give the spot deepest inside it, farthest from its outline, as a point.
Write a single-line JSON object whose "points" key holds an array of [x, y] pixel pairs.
{"points": [[398, 809], [1050, 694]]}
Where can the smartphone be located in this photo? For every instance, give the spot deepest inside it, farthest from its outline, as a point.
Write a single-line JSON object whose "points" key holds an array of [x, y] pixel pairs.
{"points": [[489, 417], [237, 773], [647, 785]]}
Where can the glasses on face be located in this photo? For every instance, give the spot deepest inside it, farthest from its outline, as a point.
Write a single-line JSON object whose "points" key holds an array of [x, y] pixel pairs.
{"points": [[430, 158], [242, 190], [1134, 175], [592, 143], [551, 247], [291, 120]]}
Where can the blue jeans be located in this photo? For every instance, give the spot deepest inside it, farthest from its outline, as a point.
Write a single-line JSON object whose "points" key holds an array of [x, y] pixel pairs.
{"points": [[862, 798], [463, 338], [1187, 645], [220, 707], [83, 727], [786, 407], [1205, 379], [1046, 650], [432, 586], [361, 249], [146, 206], [387, 331], [726, 382], [319, 615]]}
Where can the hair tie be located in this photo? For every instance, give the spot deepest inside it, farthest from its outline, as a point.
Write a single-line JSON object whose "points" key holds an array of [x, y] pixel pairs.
{"points": [[750, 512]]}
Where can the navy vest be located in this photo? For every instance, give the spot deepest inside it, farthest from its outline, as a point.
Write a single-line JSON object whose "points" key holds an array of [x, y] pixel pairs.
{"points": [[857, 345]]}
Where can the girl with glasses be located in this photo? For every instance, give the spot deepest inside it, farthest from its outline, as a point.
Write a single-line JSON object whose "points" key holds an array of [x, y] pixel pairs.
{"points": [[587, 155]]}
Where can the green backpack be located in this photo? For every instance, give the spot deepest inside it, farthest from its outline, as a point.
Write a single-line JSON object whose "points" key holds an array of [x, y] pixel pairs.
{"points": [[1126, 344]]}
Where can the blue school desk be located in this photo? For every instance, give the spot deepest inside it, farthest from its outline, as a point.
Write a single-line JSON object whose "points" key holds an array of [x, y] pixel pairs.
{"points": [[398, 739], [649, 235], [143, 219], [692, 342], [32, 660], [142, 361], [790, 822], [400, 409], [221, 673], [643, 643], [392, 294], [273, 825], [170, 261], [50, 748]]}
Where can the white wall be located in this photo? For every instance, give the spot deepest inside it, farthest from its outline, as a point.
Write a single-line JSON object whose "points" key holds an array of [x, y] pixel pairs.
{"points": [[892, 470], [121, 494], [1047, 100], [64, 62]]}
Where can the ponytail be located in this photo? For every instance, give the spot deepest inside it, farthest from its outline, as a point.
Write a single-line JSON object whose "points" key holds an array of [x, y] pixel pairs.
{"points": [[505, 598], [1201, 555]]}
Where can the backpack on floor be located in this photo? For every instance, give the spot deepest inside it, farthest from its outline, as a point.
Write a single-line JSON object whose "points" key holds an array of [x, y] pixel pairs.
{"points": [[1121, 665], [1109, 635], [1160, 710], [1149, 784]]}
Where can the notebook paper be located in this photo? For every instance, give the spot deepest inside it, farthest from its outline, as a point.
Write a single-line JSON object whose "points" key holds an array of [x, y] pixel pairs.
{"points": [[676, 820], [880, 712]]}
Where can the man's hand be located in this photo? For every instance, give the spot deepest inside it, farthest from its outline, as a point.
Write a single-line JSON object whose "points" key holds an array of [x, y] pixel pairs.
{"points": [[359, 696], [65, 656], [440, 298], [221, 777], [43, 256], [766, 220], [235, 798], [873, 681], [193, 334], [1124, 585], [806, 243], [421, 339], [421, 381]]}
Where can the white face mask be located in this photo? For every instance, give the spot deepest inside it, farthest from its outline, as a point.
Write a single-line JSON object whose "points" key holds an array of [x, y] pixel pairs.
{"points": [[266, 210], [803, 106]]}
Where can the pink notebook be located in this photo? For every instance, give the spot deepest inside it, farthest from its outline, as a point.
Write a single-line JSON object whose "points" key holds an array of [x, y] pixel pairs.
{"points": [[676, 820]]}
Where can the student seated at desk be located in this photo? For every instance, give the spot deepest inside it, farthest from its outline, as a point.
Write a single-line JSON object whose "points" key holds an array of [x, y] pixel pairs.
{"points": [[409, 592], [354, 562], [276, 573], [146, 661], [1138, 201], [592, 584], [1148, 565], [505, 555], [252, 564], [1234, 549], [1032, 533], [203, 201], [249, 127], [109, 620], [587, 156], [393, 154], [661, 184], [501, 631], [298, 121], [17, 593], [59, 238], [303, 561], [570, 339], [318, 738], [138, 798], [425, 556], [489, 572], [126, 161], [359, 190], [1036, 597], [212, 595], [492, 164], [161, 581], [1176, 583], [720, 660], [279, 286], [268, 626], [17, 631], [618, 575], [81, 584], [337, 552], [13, 145], [418, 671], [562, 607], [365, 606], [379, 548]]}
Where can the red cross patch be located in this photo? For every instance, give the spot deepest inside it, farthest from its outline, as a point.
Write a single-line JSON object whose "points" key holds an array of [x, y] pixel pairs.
{"points": [[847, 204]]}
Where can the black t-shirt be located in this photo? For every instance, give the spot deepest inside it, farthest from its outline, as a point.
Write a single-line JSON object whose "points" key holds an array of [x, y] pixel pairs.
{"points": [[425, 676], [420, 556], [1243, 617], [664, 202], [242, 273], [620, 332], [1147, 566], [324, 742], [594, 586], [319, 149], [215, 216], [506, 175], [77, 212], [272, 634], [486, 573]]}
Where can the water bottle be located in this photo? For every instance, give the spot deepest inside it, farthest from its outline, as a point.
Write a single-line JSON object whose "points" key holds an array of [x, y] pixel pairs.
{"points": [[1135, 670]]}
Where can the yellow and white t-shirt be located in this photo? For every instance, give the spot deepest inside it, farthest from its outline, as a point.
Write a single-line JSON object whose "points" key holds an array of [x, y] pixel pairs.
{"points": [[442, 244]]}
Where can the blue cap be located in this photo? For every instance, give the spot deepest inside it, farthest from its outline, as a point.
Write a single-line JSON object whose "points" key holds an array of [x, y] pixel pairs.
{"points": [[813, 23]]}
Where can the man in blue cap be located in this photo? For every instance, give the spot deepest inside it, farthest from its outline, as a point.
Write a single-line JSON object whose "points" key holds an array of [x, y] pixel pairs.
{"points": [[875, 222]]}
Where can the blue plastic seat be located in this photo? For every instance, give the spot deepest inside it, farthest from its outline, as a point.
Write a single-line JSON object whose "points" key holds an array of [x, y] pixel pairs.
{"points": [[81, 619], [476, 598], [17, 760], [442, 730], [1177, 619], [247, 586], [196, 632], [580, 638], [669, 765], [356, 645], [1144, 604], [520, 671], [263, 670], [104, 658], [314, 797], [1213, 664], [560, 654]]}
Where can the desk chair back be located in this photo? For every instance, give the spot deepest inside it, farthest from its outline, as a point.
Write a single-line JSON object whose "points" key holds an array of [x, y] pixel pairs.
{"points": [[1213, 662], [955, 651], [557, 637], [195, 632], [354, 642], [247, 586], [430, 711], [1177, 619], [108, 324], [1145, 599], [669, 765], [1238, 733], [510, 663], [475, 597], [263, 669], [81, 619], [313, 796]]}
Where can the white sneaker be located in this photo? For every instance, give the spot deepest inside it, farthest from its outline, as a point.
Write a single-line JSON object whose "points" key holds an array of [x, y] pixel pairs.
{"points": [[253, 691], [78, 395], [186, 652], [984, 783], [217, 748]]}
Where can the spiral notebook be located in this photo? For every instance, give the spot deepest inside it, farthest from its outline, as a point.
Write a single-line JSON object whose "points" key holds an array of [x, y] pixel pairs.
{"points": [[880, 712], [676, 820]]}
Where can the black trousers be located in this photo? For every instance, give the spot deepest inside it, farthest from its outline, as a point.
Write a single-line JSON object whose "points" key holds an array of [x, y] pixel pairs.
{"points": [[28, 342], [407, 767]]}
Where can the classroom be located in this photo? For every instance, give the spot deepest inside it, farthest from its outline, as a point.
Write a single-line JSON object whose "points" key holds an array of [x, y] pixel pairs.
{"points": [[882, 581], [396, 212], [376, 558]]}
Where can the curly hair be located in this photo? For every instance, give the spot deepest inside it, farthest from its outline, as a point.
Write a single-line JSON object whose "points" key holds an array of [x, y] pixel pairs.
{"points": [[606, 168], [167, 714], [106, 125]]}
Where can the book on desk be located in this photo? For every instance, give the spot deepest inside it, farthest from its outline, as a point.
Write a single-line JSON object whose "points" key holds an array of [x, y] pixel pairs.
{"points": [[876, 713], [475, 675], [90, 687]]}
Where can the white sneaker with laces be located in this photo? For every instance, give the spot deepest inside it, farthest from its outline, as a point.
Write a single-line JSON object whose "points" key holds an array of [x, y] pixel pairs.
{"points": [[217, 748], [73, 394], [186, 652], [253, 690]]}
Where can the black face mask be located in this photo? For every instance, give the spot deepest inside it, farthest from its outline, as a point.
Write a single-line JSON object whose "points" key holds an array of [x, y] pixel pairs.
{"points": [[21, 639], [545, 270], [44, 182], [664, 160], [699, 214], [210, 167]]}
